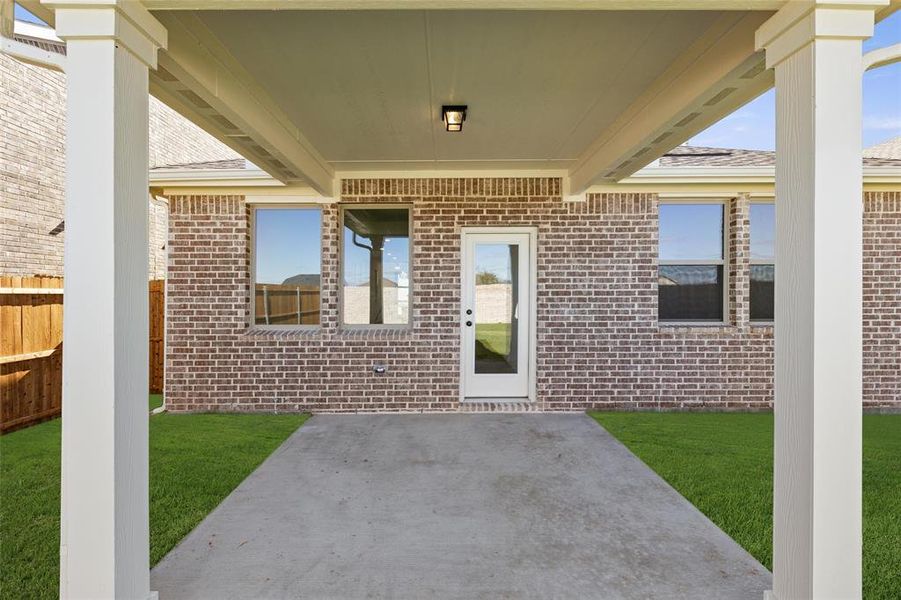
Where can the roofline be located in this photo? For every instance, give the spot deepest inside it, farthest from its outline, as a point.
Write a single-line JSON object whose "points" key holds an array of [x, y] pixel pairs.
{"points": [[765, 174], [220, 178], [211, 178], [688, 182]]}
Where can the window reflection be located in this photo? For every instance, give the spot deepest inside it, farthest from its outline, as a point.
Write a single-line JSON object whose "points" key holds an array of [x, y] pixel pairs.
{"points": [[376, 266], [690, 293], [691, 232], [287, 263], [496, 307]]}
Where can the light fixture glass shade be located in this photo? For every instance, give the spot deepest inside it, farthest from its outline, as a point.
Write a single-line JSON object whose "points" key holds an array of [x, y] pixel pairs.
{"points": [[453, 117]]}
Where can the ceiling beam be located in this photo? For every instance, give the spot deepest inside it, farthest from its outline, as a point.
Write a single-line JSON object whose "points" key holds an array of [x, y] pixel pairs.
{"points": [[200, 79], [766, 5], [717, 74], [35, 7]]}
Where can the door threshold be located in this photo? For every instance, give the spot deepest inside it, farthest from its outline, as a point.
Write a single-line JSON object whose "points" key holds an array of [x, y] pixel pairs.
{"points": [[499, 405], [476, 400]]}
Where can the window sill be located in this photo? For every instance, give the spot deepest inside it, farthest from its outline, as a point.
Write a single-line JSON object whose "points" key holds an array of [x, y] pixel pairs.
{"points": [[286, 332], [695, 327], [388, 332], [692, 324]]}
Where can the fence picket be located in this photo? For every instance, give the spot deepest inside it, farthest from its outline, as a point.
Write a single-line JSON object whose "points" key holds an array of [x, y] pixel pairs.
{"points": [[31, 337]]}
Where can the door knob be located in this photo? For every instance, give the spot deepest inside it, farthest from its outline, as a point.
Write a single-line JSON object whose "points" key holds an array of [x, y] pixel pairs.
{"points": [[468, 311], [469, 323]]}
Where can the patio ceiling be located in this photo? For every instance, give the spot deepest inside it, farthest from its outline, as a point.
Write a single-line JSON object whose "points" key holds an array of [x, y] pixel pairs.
{"points": [[312, 95], [367, 87], [361, 91]]}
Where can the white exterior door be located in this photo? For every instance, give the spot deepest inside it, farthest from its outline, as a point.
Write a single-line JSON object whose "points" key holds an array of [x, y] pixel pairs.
{"points": [[497, 314]]}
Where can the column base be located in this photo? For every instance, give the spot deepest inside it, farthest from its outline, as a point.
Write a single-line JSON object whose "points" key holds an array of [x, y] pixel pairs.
{"points": [[769, 595]]}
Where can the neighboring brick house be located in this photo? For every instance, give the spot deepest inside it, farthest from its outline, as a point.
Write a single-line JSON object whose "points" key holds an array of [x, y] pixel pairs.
{"points": [[605, 275], [32, 162]]}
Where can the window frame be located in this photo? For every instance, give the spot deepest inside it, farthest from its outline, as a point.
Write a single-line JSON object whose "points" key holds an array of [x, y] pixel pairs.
{"points": [[411, 275], [760, 261], [723, 262], [253, 264]]}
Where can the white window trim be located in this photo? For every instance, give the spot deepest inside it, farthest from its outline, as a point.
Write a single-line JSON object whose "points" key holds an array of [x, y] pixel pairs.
{"points": [[723, 262], [759, 261], [411, 275], [253, 267]]}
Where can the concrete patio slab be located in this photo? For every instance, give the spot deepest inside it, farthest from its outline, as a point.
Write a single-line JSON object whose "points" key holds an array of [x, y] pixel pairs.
{"points": [[456, 506]]}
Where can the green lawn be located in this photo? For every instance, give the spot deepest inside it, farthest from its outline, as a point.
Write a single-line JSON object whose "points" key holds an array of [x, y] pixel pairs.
{"points": [[723, 464], [494, 338], [156, 401], [195, 461]]}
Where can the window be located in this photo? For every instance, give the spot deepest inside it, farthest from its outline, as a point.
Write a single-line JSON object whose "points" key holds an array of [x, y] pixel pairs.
{"points": [[763, 261], [375, 266], [287, 252], [691, 278]]}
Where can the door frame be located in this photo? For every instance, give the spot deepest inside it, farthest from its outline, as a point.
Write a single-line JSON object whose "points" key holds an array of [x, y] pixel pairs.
{"points": [[532, 361]]}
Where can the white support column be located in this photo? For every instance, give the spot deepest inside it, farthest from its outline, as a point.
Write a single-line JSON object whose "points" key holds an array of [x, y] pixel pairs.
{"points": [[104, 544], [815, 49]]}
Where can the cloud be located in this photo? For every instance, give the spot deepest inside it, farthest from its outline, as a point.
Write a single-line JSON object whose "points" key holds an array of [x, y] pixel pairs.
{"points": [[882, 123]]}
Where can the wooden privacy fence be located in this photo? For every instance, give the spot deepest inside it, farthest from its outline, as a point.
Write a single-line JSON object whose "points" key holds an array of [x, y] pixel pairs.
{"points": [[157, 331], [285, 304], [31, 336], [31, 357]]}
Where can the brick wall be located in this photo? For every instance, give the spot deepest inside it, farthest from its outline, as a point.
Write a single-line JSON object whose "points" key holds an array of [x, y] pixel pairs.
{"points": [[599, 344], [174, 140], [32, 167], [882, 300]]}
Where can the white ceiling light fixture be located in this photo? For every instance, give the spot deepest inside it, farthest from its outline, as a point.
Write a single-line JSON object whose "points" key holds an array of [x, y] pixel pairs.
{"points": [[453, 117]]}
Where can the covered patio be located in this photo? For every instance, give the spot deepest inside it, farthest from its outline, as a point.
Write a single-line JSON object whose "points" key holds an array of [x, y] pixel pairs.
{"points": [[332, 98], [456, 506]]}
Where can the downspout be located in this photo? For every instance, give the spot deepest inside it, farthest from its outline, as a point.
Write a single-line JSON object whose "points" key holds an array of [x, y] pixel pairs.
{"points": [[376, 274]]}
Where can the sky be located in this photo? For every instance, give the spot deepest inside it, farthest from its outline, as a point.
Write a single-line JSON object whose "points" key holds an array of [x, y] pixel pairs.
{"points": [[753, 126], [287, 243]]}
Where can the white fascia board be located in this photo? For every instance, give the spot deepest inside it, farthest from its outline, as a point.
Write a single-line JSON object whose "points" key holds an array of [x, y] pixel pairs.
{"points": [[884, 175], [212, 177], [733, 175], [702, 175], [36, 31], [768, 5], [648, 175], [881, 57], [29, 54], [32, 55]]}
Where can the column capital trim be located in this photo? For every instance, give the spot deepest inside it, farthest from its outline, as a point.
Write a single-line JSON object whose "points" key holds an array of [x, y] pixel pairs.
{"points": [[800, 23], [126, 22]]}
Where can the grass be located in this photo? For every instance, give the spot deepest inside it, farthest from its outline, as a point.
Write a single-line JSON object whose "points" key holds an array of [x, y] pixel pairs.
{"points": [[494, 338], [156, 400], [723, 464], [195, 461]]}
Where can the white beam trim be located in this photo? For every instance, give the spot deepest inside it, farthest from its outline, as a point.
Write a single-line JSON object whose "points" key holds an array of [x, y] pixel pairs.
{"points": [[104, 526], [124, 21], [718, 73], [816, 52], [7, 18], [765, 5], [32, 55], [882, 57], [218, 86], [37, 9]]}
